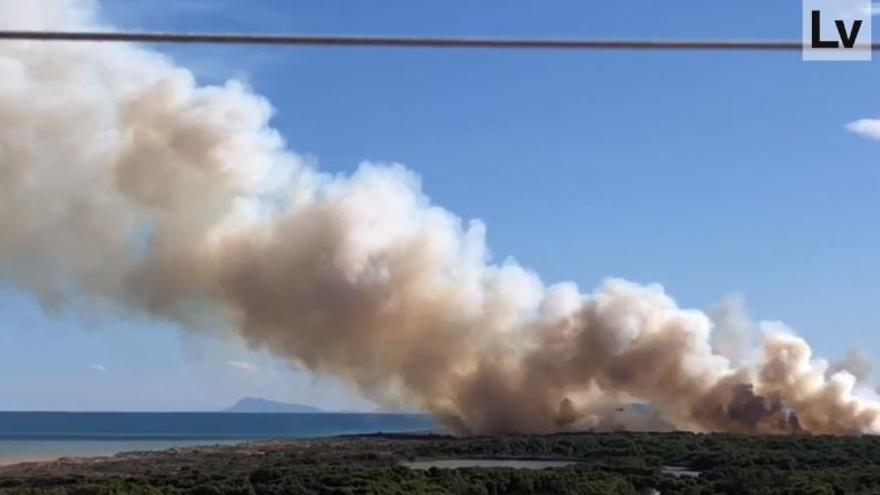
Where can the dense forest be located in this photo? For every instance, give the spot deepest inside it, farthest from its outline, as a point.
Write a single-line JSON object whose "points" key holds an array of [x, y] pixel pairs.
{"points": [[605, 463]]}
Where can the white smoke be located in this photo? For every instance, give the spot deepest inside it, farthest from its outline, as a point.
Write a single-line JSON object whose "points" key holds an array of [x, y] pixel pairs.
{"points": [[734, 332], [857, 363], [125, 185]]}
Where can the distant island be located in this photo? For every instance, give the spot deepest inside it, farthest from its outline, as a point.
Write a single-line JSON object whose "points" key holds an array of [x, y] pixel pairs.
{"points": [[258, 405]]}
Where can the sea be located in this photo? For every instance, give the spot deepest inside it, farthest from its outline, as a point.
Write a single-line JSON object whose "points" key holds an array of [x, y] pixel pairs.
{"points": [[39, 436]]}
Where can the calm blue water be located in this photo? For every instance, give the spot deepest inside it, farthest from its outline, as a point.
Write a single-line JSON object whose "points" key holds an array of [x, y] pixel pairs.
{"points": [[45, 435]]}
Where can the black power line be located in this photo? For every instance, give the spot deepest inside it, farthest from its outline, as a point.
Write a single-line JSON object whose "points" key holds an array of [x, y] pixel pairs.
{"points": [[408, 41]]}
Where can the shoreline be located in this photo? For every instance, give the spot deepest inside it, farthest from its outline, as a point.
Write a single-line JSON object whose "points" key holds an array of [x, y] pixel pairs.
{"points": [[29, 459], [127, 449], [43, 452]]}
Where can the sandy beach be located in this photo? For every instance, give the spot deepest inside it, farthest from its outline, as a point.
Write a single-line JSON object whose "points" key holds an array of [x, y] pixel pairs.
{"points": [[18, 452], [13, 460]]}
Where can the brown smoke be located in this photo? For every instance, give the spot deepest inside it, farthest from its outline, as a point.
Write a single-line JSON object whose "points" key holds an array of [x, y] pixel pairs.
{"points": [[124, 186]]}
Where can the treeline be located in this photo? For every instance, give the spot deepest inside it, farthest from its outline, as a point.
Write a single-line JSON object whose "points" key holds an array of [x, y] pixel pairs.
{"points": [[612, 463]]}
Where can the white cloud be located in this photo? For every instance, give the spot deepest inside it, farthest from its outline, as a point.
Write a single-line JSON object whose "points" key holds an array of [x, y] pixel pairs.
{"points": [[869, 128], [242, 366], [98, 367]]}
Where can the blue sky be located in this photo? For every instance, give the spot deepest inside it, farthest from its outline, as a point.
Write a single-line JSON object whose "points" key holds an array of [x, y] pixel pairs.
{"points": [[711, 173]]}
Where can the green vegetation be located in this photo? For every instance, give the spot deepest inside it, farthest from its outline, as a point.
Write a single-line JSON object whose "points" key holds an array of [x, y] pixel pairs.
{"points": [[609, 463]]}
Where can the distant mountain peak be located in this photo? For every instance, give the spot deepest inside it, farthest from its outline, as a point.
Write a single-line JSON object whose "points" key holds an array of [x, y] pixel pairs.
{"points": [[259, 405]]}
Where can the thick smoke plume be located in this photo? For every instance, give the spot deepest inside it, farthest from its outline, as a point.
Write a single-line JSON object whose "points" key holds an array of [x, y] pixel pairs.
{"points": [[125, 186]]}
